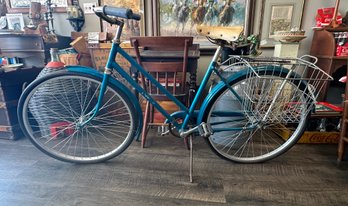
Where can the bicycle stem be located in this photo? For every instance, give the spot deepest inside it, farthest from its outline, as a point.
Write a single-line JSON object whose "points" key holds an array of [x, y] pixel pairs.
{"points": [[107, 73]]}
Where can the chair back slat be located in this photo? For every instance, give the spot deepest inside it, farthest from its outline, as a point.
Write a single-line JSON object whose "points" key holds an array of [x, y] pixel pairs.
{"points": [[163, 66], [171, 72]]}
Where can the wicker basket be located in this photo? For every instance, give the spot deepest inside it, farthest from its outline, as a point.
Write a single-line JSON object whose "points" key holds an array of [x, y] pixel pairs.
{"points": [[69, 59], [100, 53]]}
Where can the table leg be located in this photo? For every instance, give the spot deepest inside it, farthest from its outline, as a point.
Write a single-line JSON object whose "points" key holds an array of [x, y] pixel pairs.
{"points": [[192, 88], [135, 75]]}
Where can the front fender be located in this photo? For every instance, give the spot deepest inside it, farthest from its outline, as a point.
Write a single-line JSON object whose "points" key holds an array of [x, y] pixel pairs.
{"points": [[122, 87]]}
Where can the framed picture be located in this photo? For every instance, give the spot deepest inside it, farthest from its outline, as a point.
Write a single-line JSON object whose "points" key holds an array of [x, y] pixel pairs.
{"points": [[15, 21], [279, 15], [22, 6], [131, 27], [180, 18]]}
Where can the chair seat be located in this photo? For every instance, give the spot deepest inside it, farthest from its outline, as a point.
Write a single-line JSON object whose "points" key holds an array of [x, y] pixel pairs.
{"points": [[230, 34], [180, 97]]}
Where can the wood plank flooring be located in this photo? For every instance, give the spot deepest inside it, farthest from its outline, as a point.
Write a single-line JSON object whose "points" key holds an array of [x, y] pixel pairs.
{"points": [[158, 175]]}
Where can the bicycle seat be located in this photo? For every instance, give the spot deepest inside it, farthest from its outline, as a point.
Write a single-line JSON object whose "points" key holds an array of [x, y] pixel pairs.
{"points": [[229, 34]]}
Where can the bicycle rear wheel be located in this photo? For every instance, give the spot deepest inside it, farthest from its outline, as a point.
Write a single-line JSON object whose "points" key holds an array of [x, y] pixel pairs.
{"points": [[243, 132], [51, 109]]}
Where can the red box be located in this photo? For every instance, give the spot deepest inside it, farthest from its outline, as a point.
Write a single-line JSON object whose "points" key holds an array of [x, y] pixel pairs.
{"points": [[342, 50], [325, 15]]}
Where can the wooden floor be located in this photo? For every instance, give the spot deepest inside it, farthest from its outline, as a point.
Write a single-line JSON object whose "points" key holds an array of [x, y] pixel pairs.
{"points": [[158, 175]]}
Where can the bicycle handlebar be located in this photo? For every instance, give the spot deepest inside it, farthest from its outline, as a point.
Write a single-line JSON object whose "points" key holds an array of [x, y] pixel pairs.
{"points": [[116, 12]]}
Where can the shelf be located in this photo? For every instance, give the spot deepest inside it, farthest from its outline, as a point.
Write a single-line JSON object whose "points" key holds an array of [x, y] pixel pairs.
{"points": [[21, 50], [338, 29], [332, 57], [76, 19], [324, 48]]}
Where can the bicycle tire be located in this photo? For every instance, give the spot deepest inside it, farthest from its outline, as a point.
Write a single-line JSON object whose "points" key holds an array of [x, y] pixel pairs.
{"points": [[51, 107], [262, 143]]}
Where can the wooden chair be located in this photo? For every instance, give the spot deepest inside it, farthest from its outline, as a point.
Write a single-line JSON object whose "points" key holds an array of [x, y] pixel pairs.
{"points": [[170, 72]]}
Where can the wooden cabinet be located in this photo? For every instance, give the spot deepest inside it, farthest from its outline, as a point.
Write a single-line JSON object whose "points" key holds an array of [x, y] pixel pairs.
{"points": [[29, 48], [11, 86], [324, 48], [33, 53]]}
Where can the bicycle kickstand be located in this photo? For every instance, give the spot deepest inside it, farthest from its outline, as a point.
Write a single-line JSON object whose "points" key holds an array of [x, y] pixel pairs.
{"points": [[191, 157]]}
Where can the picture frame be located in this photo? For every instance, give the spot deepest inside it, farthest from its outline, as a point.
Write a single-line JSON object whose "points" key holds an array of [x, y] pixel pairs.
{"points": [[15, 21], [131, 27], [22, 6], [279, 15], [166, 23]]}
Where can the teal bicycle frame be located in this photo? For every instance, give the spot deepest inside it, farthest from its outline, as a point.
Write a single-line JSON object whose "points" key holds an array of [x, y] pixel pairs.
{"points": [[186, 113], [112, 64], [239, 117]]}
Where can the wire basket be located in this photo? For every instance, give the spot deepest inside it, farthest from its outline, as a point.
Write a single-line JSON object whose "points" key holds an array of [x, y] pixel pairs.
{"points": [[277, 89]]}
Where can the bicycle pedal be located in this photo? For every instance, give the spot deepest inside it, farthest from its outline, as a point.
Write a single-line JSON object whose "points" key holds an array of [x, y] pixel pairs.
{"points": [[163, 130], [205, 130]]}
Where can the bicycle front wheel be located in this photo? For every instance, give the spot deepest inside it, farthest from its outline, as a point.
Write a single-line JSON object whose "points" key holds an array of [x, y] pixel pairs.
{"points": [[247, 129], [53, 107]]}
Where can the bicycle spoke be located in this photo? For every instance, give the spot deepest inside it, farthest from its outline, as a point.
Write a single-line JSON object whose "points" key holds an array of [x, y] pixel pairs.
{"points": [[251, 137], [55, 126]]}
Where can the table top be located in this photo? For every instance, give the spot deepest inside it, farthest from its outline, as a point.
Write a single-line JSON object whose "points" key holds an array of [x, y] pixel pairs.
{"points": [[194, 53]]}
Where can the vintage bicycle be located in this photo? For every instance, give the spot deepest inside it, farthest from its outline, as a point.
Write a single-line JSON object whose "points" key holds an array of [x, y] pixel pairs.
{"points": [[253, 115]]}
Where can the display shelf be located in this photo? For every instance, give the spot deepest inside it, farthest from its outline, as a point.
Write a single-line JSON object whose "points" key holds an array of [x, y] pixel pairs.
{"points": [[324, 48]]}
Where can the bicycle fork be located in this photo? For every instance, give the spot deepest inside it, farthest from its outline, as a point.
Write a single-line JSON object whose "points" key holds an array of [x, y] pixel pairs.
{"points": [[95, 110]]}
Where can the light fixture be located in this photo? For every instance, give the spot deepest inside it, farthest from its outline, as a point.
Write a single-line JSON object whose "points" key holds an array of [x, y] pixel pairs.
{"points": [[75, 16]]}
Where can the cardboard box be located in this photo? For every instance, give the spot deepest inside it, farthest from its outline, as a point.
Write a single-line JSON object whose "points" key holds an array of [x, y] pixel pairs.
{"points": [[342, 50], [325, 15], [80, 45], [100, 54], [312, 137], [86, 60], [69, 59], [76, 59]]}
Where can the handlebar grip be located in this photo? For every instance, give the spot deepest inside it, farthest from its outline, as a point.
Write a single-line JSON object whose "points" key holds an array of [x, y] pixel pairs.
{"points": [[125, 13], [118, 12], [136, 17]]}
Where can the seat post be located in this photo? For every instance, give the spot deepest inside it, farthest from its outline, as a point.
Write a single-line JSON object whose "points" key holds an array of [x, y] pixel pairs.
{"points": [[117, 38]]}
